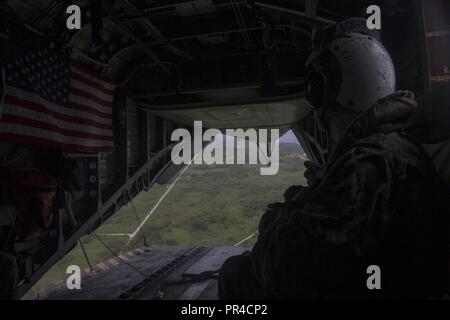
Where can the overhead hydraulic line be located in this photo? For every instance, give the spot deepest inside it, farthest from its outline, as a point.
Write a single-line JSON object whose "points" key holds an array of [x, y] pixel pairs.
{"points": [[241, 28], [316, 21], [37, 20], [151, 28], [125, 30], [243, 24]]}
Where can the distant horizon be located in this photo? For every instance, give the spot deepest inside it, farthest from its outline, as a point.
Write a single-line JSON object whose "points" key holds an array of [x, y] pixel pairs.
{"points": [[289, 137]]}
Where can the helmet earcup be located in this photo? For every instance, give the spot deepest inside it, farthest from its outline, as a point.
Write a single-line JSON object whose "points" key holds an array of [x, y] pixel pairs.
{"points": [[316, 88]]}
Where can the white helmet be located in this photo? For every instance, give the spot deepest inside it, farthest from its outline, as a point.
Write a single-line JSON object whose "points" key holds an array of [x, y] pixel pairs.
{"points": [[352, 69]]}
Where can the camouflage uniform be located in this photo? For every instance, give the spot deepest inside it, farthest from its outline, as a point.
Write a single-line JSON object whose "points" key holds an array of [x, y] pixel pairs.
{"points": [[377, 203]]}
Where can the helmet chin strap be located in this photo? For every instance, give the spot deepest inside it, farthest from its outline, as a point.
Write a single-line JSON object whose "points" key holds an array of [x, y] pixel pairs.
{"points": [[336, 121]]}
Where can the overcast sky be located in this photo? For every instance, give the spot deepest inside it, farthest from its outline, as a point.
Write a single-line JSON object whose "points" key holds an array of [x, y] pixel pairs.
{"points": [[289, 137]]}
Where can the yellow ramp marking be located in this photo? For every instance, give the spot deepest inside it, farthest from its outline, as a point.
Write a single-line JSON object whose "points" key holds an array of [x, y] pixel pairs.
{"points": [[102, 266], [113, 261]]}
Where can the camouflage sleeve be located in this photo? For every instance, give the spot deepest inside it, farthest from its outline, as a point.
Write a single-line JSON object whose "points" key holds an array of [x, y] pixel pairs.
{"points": [[269, 216], [346, 210], [351, 203], [275, 212]]}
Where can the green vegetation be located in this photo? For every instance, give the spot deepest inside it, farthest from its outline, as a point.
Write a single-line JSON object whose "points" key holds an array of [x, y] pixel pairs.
{"points": [[209, 206]]}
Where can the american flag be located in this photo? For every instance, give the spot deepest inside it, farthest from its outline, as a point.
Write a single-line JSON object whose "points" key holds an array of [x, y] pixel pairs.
{"points": [[46, 101]]}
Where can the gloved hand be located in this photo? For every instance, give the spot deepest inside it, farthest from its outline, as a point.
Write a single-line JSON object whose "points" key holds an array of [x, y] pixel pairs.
{"points": [[314, 172], [269, 216]]}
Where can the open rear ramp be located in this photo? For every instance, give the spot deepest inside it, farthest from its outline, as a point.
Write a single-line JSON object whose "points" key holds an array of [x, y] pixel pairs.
{"points": [[154, 272]]}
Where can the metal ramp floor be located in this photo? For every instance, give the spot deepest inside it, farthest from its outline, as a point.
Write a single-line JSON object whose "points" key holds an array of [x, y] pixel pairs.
{"points": [[154, 272]]}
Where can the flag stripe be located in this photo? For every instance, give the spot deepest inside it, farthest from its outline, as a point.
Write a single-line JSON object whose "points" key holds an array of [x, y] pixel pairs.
{"points": [[49, 102], [78, 113], [51, 135], [21, 138], [89, 103], [11, 101], [93, 84], [81, 107], [13, 119], [42, 117], [97, 93], [87, 95], [93, 77]]}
